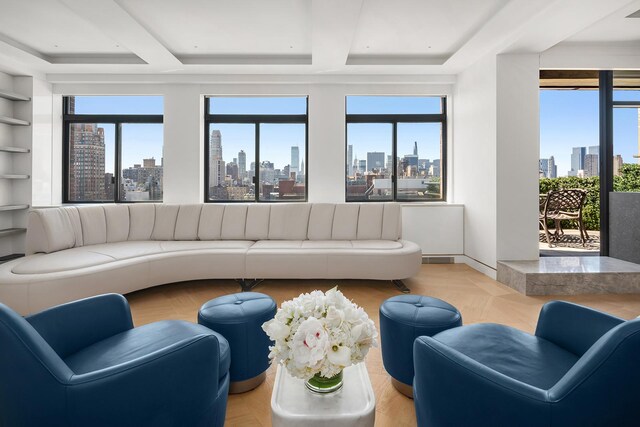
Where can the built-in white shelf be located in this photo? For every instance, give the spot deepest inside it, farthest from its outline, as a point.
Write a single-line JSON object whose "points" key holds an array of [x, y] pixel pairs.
{"points": [[14, 150], [13, 176], [13, 207], [13, 96], [10, 231], [13, 122]]}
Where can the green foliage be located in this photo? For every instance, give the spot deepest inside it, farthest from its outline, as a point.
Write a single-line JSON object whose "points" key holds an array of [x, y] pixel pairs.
{"points": [[628, 180]]}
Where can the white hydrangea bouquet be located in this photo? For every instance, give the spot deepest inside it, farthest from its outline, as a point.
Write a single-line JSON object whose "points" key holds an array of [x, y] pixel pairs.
{"points": [[319, 334]]}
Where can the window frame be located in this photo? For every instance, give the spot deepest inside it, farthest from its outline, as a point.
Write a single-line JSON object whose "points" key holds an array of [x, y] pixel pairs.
{"points": [[393, 120], [117, 120], [256, 120]]}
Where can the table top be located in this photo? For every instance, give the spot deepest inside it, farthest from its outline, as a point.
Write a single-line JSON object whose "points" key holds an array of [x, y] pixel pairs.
{"points": [[353, 405]]}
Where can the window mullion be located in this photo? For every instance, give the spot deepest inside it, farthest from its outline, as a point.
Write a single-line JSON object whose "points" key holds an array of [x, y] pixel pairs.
{"points": [[117, 161], [256, 168]]}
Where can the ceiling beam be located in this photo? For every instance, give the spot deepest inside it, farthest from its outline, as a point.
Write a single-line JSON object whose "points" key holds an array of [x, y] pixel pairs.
{"points": [[109, 17], [334, 24], [525, 26]]}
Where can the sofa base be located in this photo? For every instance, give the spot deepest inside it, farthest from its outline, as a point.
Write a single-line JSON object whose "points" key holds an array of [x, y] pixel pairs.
{"points": [[401, 286], [248, 285]]}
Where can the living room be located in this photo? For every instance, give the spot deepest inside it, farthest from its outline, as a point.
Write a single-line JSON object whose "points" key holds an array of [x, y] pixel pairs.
{"points": [[390, 149]]}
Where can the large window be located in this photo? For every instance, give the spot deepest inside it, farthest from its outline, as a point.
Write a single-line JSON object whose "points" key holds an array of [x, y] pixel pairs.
{"points": [[396, 148], [256, 149], [113, 148]]}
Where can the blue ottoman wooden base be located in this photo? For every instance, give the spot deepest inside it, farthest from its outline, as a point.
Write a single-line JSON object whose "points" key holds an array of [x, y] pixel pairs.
{"points": [[239, 318], [403, 318]]}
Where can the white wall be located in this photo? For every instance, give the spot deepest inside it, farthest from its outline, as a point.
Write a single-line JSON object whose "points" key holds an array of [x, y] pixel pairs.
{"points": [[474, 158], [518, 150]]}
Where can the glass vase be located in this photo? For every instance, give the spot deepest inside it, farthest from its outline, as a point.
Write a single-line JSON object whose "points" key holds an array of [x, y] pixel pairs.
{"points": [[320, 384]]}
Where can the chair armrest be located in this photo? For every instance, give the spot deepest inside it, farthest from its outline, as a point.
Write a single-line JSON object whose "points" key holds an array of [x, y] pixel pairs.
{"points": [[450, 388], [67, 328], [573, 327], [170, 386]]}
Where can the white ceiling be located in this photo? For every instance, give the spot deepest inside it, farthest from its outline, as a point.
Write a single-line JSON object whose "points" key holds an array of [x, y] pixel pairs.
{"points": [[263, 37]]}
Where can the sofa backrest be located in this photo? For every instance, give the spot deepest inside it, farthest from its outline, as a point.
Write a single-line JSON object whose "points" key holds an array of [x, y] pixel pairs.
{"points": [[54, 229]]}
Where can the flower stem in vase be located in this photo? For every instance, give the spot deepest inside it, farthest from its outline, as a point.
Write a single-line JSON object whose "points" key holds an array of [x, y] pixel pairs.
{"points": [[320, 384]]}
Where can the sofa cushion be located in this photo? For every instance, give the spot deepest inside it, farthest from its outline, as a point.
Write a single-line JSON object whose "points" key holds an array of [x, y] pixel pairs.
{"points": [[143, 341], [233, 222], [94, 224], [141, 220], [327, 244], [164, 227], [257, 226], [125, 250], [376, 244], [205, 245], [345, 222], [321, 221], [516, 354], [289, 221], [187, 222], [117, 217], [370, 221], [49, 230], [392, 222], [70, 259], [277, 244], [76, 225], [210, 224]]}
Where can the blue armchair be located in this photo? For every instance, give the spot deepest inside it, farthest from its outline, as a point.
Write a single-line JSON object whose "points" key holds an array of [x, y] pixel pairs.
{"points": [[84, 364], [579, 369]]}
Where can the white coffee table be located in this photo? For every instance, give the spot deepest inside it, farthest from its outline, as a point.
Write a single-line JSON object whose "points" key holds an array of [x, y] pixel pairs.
{"points": [[292, 405]]}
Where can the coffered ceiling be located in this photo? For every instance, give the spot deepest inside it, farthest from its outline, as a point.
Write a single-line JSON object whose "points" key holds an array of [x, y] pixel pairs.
{"points": [[294, 36]]}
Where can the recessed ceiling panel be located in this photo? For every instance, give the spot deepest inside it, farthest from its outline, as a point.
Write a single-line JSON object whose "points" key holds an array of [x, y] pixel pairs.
{"points": [[419, 27], [51, 28], [617, 27], [227, 27]]}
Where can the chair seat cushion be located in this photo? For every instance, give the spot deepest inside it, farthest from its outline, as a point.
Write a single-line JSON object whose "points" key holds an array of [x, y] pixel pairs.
{"points": [[141, 341], [516, 354]]}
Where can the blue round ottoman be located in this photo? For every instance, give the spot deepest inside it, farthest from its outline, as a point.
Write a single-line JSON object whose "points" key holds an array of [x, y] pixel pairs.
{"points": [[239, 318], [403, 318]]}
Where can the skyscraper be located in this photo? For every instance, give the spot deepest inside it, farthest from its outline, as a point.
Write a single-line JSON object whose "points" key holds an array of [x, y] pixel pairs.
{"points": [[87, 163], [548, 168], [591, 165], [375, 160], [577, 160], [295, 160], [242, 165], [216, 163], [617, 164], [349, 160], [415, 148]]}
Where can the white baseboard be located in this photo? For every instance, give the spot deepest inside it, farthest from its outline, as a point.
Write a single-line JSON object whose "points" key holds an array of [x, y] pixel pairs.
{"points": [[482, 268]]}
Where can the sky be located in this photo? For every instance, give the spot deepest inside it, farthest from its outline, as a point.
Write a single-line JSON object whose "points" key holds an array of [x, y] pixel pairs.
{"points": [[569, 118]]}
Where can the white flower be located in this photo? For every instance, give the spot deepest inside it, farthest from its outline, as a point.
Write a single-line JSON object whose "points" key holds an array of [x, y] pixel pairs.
{"points": [[276, 330], [339, 355], [320, 333], [310, 343], [334, 317]]}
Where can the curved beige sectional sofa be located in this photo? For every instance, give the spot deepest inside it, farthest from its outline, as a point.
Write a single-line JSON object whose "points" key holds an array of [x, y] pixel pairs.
{"points": [[75, 252]]}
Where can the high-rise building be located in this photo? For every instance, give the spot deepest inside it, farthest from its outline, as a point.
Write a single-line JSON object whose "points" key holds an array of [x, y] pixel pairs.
{"points": [[617, 164], [577, 160], [375, 161], [349, 160], [389, 165], [216, 163], [362, 166], [415, 148], [149, 163], [87, 163], [548, 168], [591, 165], [242, 165], [294, 167]]}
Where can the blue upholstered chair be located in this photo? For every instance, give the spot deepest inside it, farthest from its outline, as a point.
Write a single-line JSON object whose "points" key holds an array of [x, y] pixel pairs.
{"points": [[84, 364], [579, 369]]}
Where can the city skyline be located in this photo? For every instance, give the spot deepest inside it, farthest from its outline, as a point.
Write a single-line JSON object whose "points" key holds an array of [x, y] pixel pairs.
{"points": [[570, 119]]}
